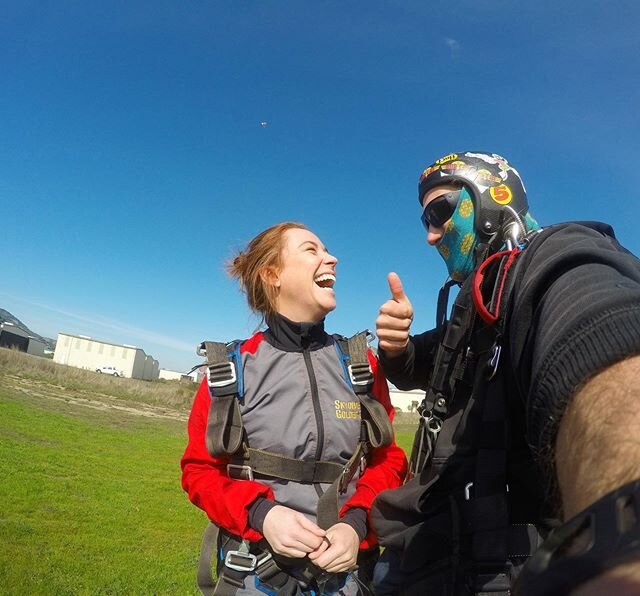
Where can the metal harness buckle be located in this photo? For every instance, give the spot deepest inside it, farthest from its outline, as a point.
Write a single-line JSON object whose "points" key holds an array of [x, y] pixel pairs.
{"points": [[239, 561], [348, 472], [469, 486], [363, 372], [220, 370], [239, 472]]}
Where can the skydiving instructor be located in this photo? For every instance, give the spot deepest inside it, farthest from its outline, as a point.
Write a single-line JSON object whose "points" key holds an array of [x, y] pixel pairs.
{"points": [[525, 471]]}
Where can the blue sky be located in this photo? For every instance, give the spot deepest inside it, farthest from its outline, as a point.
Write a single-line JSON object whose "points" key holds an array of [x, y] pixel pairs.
{"points": [[133, 162]]}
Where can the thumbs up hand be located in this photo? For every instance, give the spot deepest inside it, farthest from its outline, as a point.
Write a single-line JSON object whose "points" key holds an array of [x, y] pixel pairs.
{"points": [[395, 318]]}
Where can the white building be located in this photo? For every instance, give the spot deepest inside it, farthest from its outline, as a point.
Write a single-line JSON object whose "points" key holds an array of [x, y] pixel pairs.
{"points": [[173, 375], [14, 337], [83, 352], [407, 401]]}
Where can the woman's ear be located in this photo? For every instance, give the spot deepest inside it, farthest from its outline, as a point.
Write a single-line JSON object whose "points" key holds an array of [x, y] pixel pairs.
{"points": [[270, 276]]}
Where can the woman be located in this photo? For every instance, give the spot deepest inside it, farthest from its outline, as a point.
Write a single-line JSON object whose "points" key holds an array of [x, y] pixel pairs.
{"points": [[298, 405]]}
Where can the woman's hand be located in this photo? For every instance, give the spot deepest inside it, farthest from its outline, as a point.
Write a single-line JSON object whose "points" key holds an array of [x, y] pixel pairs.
{"points": [[291, 534], [339, 552]]}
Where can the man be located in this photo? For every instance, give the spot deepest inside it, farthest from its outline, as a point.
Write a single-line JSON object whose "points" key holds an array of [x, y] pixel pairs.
{"points": [[532, 404]]}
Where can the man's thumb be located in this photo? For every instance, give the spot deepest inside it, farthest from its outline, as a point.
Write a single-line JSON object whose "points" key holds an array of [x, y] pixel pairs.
{"points": [[395, 286]]}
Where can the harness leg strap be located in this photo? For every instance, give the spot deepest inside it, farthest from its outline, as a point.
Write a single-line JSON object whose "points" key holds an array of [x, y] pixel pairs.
{"points": [[205, 581]]}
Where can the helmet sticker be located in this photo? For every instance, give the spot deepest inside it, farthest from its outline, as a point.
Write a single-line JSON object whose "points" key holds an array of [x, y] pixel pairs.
{"points": [[488, 177], [501, 194], [447, 158], [495, 160], [428, 171], [455, 165]]}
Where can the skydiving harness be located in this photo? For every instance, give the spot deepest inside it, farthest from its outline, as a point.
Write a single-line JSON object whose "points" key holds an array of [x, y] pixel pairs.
{"points": [[454, 358], [466, 363], [225, 436]]}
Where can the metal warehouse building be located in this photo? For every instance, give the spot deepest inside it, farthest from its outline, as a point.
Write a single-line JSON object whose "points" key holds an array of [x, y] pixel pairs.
{"points": [[83, 352], [14, 337]]}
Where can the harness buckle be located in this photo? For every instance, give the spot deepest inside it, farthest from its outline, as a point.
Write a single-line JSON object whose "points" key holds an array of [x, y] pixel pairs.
{"points": [[362, 375], [348, 472], [467, 491], [239, 472], [239, 561], [494, 361], [469, 486], [265, 557], [221, 374]]}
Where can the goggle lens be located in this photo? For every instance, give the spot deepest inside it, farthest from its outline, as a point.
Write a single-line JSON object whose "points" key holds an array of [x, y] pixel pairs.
{"points": [[440, 210]]}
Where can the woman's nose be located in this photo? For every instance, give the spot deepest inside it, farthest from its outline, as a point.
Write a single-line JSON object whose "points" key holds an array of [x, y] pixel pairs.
{"points": [[329, 258]]}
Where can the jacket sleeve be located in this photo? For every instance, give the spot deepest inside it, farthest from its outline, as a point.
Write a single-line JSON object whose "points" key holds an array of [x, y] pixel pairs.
{"points": [[575, 311], [410, 370], [387, 466], [225, 501]]}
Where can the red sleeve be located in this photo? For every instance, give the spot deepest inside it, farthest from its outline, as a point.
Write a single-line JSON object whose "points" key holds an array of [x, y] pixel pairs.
{"points": [[204, 478], [387, 466]]}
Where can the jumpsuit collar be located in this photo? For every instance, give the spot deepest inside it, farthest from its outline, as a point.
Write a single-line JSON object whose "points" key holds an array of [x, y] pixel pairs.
{"points": [[291, 336]]}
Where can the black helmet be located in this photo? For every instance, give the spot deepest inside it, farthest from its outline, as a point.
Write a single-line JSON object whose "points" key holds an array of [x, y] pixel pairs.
{"points": [[496, 188]]}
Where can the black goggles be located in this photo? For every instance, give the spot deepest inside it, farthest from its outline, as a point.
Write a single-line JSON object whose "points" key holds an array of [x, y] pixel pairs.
{"points": [[440, 210]]}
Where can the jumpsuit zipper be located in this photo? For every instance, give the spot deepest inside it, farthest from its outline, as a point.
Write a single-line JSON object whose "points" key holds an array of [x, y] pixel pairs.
{"points": [[315, 399]]}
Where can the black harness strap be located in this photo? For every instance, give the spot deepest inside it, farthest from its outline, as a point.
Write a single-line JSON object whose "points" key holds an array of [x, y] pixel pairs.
{"points": [[492, 534], [207, 554], [225, 431], [377, 429], [287, 468], [327, 508], [450, 357]]}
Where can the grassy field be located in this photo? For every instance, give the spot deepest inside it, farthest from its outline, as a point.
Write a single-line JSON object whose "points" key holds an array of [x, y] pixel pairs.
{"points": [[89, 483]]}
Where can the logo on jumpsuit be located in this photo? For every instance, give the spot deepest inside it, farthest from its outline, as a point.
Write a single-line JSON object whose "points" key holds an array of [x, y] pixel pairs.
{"points": [[347, 409]]}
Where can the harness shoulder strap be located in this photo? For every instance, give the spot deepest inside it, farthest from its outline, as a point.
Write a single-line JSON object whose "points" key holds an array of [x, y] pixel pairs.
{"points": [[353, 352], [225, 431]]}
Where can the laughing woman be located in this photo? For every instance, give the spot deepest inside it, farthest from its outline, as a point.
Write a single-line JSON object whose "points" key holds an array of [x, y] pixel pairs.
{"points": [[286, 459]]}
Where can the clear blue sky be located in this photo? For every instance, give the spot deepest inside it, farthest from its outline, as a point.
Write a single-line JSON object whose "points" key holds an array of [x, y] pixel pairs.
{"points": [[133, 162]]}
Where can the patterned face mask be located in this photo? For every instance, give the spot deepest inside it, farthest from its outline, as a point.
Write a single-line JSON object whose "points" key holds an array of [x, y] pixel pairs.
{"points": [[457, 246]]}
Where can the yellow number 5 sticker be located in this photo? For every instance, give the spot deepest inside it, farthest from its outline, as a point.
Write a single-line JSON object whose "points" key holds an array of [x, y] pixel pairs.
{"points": [[501, 194]]}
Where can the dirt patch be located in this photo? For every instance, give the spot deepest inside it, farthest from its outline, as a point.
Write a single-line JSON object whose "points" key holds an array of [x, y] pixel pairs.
{"points": [[87, 399]]}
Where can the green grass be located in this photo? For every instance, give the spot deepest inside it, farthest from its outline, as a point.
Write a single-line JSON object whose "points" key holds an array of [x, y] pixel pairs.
{"points": [[91, 498], [92, 502], [404, 439]]}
